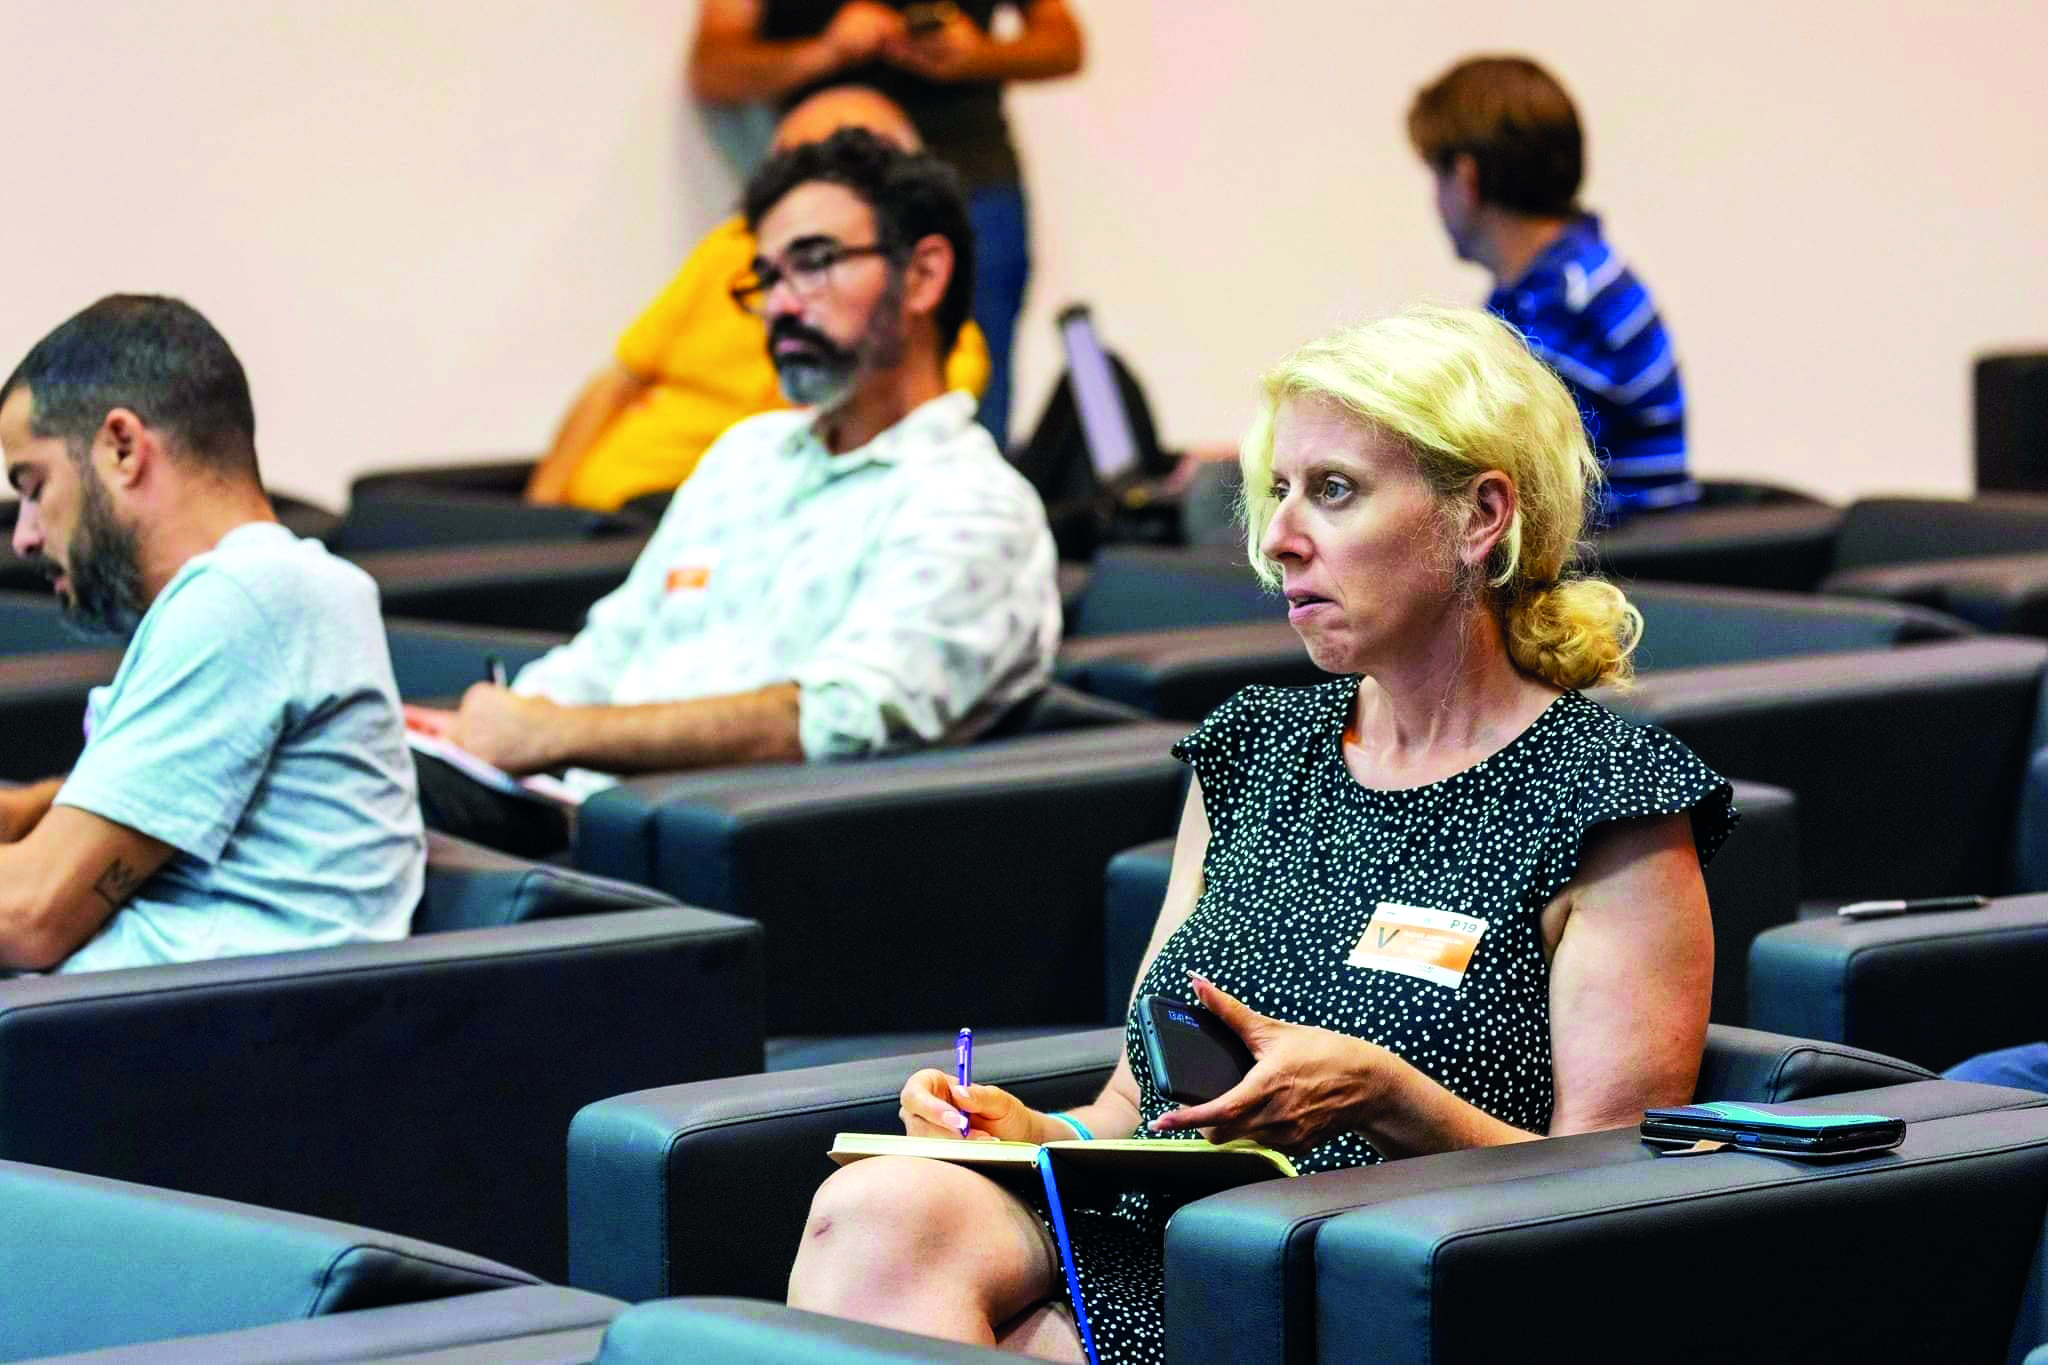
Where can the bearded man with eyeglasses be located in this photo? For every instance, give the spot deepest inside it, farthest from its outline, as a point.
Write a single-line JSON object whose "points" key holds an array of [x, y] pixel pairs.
{"points": [[862, 575]]}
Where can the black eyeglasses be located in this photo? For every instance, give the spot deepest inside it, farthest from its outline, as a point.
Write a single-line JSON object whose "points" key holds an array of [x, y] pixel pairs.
{"points": [[807, 267]]}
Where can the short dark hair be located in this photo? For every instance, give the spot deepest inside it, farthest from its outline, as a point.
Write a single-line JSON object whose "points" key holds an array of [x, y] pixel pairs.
{"points": [[912, 195], [1516, 123], [156, 356]]}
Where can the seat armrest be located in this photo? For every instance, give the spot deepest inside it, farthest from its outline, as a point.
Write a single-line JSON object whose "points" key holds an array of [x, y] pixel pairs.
{"points": [[1935, 988], [533, 1325], [768, 1334], [378, 1074], [1607, 1259], [1261, 1239], [1757, 1067], [704, 1188]]}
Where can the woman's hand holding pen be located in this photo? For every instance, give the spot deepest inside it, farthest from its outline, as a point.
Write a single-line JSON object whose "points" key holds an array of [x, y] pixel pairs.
{"points": [[1305, 1087], [936, 1105]]}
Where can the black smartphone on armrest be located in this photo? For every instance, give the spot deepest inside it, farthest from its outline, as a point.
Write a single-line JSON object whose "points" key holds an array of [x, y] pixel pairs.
{"points": [[1194, 1056], [1759, 1130]]}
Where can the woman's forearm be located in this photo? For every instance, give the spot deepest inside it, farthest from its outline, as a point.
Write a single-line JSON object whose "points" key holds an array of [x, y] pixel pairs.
{"points": [[1404, 1112], [741, 71]]}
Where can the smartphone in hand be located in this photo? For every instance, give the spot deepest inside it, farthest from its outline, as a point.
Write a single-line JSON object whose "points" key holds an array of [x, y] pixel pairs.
{"points": [[1194, 1056]]}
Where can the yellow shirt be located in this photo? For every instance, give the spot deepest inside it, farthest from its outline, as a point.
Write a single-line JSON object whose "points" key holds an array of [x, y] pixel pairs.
{"points": [[706, 365]]}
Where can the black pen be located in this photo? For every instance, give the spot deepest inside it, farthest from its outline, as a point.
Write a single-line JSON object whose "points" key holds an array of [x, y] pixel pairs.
{"points": [[494, 670], [1879, 909]]}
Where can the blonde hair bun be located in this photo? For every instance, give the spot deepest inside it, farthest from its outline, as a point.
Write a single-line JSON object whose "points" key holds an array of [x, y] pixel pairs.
{"points": [[1574, 634]]}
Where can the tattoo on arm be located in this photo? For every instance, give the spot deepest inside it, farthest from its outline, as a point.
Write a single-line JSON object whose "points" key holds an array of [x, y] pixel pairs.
{"points": [[116, 884]]}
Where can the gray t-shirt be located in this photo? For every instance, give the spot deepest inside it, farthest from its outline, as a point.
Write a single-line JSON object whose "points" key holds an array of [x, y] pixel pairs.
{"points": [[254, 726]]}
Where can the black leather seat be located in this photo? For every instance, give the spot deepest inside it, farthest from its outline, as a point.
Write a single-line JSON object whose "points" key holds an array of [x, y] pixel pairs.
{"points": [[354, 1082], [987, 857], [1186, 673], [1910, 765], [1785, 546], [128, 1272], [534, 585], [1752, 884], [703, 1188], [1933, 988]]}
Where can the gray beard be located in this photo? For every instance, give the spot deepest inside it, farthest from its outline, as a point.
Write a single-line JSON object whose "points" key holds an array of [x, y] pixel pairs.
{"points": [[824, 382], [814, 383]]}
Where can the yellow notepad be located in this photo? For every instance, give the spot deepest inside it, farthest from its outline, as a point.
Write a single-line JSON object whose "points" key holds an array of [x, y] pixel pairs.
{"points": [[1164, 1164]]}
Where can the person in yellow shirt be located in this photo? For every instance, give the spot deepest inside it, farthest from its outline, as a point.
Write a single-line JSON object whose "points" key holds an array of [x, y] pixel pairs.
{"points": [[695, 363]]}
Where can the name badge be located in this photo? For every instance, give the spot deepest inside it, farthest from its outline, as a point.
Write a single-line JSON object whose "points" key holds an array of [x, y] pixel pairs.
{"points": [[1434, 945], [692, 569]]}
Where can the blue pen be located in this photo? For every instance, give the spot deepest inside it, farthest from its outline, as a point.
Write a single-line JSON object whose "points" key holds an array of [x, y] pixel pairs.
{"points": [[963, 1064]]}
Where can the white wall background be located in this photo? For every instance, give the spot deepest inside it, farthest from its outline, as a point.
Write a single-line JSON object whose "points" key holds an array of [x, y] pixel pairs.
{"points": [[422, 222]]}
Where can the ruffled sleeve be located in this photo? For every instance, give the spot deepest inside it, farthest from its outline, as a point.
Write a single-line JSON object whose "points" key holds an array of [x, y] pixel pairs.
{"points": [[1636, 771]]}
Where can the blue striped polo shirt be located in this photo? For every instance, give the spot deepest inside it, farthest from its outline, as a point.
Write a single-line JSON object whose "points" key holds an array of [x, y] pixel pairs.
{"points": [[1589, 318]]}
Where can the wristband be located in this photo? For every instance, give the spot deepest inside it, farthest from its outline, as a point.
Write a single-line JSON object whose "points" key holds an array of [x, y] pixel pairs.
{"points": [[1080, 1129]]}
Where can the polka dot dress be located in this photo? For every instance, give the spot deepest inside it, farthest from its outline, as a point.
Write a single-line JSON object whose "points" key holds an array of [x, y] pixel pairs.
{"points": [[1300, 855]]}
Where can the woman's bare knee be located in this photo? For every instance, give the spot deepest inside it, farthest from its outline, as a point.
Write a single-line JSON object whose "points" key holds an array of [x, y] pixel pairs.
{"points": [[919, 1243]]}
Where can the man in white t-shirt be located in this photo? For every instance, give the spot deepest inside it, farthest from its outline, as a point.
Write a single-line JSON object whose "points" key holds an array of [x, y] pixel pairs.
{"points": [[245, 785]]}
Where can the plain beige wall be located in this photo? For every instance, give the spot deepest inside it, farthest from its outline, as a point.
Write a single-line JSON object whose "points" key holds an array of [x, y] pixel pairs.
{"points": [[422, 222]]}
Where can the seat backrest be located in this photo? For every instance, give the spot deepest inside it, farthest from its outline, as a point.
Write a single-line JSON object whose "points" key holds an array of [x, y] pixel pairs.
{"points": [[1058, 707], [1907, 763], [1691, 626], [1908, 530], [469, 886], [420, 518], [88, 1263], [32, 623], [1771, 1068], [1142, 588], [443, 659]]}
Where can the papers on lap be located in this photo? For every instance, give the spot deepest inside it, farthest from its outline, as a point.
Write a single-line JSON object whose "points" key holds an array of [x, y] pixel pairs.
{"points": [[539, 787]]}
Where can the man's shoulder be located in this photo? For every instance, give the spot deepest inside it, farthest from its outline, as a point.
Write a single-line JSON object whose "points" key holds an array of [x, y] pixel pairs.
{"points": [[273, 574]]}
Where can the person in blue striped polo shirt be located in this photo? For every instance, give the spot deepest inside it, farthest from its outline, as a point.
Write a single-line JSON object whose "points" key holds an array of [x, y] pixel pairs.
{"points": [[1503, 140]]}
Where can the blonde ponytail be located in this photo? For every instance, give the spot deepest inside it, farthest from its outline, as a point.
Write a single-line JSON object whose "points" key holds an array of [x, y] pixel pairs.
{"points": [[1572, 634]]}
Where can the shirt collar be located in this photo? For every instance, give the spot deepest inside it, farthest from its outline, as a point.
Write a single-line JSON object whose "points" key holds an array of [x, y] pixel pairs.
{"points": [[931, 423], [1582, 233]]}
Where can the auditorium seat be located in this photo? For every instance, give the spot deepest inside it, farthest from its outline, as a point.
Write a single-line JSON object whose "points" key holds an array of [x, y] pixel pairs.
{"points": [[1934, 988], [1752, 884], [131, 1273], [758, 1333], [1911, 766], [1784, 546], [987, 857], [537, 585], [422, 517], [703, 1188], [1599, 1250], [357, 1082], [1187, 673]]}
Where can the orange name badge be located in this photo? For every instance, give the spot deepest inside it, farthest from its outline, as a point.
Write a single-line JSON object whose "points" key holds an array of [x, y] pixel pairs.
{"points": [[691, 571], [1434, 945]]}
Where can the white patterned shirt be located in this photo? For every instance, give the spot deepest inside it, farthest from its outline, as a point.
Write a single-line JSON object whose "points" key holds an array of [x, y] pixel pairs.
{"points": [[907, 586]]}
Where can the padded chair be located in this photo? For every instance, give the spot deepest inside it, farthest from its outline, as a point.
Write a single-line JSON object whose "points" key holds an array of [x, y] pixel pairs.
{"points": [[1187, 673], [130, 1273], [987, 858], [353, 1082], [1592, 1248], [440, 659], [420, 517], [1752, 884], [1149, 588], [1909, 764], [1775, 545], [1932, 988], [703, 1188], [538, 585]]}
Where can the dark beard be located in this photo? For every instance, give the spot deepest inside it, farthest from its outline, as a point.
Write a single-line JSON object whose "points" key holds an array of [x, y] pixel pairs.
{"points": [[822, 374], [105, 569]]}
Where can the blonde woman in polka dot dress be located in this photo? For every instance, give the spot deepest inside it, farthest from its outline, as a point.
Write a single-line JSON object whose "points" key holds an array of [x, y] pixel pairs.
{"points": [[1416, 489]]}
